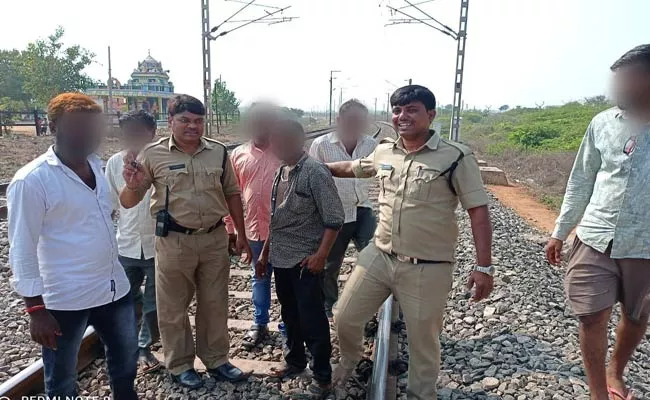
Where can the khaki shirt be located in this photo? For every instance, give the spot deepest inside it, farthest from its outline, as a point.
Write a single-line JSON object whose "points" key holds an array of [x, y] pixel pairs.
{"points": [[196, 196], [416, 206]]}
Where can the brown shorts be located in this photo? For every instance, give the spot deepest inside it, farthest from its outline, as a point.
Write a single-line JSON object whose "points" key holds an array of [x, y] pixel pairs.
{"points": [[594, 282]]}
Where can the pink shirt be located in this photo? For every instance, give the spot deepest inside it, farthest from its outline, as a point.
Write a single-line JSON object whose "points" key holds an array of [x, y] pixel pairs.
{"points": [[255, 169]]}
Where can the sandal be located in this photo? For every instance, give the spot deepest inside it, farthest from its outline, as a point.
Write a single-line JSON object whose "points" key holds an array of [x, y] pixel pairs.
{"points": [[148, 361], [255, 335], [616, 394], [286, 371]]}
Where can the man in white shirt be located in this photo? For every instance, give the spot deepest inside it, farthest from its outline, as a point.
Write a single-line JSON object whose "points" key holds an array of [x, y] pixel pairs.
{"points": [[348, 143], [135, 235], [63, 252]]}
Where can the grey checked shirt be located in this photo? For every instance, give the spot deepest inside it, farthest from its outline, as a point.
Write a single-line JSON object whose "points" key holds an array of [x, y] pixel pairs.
{"points": [[310, 206], [608, 192]]}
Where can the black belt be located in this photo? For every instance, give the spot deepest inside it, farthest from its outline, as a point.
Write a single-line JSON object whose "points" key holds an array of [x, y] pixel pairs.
{"points": [[175, 227], [414, 260]]}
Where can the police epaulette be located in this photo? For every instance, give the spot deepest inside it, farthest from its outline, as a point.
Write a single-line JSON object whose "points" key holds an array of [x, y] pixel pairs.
{"points": [[213, 140], [156, 143]]}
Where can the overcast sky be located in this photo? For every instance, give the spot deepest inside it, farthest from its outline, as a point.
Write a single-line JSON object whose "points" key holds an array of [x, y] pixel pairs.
{"points": [[519, 52]]}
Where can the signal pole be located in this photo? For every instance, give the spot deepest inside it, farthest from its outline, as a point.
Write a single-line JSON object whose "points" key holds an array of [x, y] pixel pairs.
{"points": [[375, 109], [110, 86], [331, 90]]}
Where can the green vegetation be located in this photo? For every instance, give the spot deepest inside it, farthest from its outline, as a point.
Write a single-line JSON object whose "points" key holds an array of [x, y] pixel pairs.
{"points": [[534, 146], [31, 77], [224, 100], [549, 129]]}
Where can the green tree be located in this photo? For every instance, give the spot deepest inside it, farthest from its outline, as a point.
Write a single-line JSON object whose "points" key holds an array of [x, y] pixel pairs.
{"points": [[504, 107], [224, 100], [296, 112], [12, 77], [7, 116], [49, 68]]}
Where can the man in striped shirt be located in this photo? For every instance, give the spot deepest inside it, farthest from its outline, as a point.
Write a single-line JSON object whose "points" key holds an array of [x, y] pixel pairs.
{"points": [[347, 143]]}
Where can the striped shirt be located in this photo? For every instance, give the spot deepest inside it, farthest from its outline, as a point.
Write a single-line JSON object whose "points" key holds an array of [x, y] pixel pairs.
{"points": [[608, 191], [310, 205], [353, 192]]}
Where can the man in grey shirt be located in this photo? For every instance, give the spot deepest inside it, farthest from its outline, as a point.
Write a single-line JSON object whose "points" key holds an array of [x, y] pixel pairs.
{"points": [[607, 199], [306, 215]]}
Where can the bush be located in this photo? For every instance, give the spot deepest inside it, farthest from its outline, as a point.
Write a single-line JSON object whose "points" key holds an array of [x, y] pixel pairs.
{"points": [[534, 136]]}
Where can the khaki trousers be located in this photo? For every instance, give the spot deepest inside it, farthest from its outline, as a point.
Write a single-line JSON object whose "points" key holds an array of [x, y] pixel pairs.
{"points": [[185, 265], [421, 291]]}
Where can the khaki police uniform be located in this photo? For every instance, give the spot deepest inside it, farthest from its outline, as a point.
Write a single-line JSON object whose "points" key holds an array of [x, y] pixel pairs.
{"points": [[195, 262], [413, 251]]}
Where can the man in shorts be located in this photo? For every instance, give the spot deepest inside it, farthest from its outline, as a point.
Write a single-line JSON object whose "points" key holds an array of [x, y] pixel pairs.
{"points": [[607, 199]]}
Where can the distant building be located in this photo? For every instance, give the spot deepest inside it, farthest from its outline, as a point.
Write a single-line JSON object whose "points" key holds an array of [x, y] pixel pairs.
{"points": [[148, 89]]}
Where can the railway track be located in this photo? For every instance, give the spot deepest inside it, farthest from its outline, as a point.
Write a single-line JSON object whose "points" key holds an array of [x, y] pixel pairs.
{"points": [[29, 381]]}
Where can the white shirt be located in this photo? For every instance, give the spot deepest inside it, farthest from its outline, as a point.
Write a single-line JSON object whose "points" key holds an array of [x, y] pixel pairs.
{"points": [[135, 227], [353, 192], [61, 236]]}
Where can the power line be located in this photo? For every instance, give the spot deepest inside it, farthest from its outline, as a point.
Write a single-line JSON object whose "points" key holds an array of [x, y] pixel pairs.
{"points": [[460, 37], [420, 21], [207, 38], [429, 16]]}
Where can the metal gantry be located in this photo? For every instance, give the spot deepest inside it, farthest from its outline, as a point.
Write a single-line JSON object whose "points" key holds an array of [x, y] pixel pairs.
{"points": [[207, 67], [454, 129], [209, 34], [459, 37]]}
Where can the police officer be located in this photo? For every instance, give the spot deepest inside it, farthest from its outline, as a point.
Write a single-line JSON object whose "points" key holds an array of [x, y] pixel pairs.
{"points": [[422, 179], [194, 187]]}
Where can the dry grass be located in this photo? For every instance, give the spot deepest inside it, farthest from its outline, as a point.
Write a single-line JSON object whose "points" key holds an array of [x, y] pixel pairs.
{"points": [[544, 173]]}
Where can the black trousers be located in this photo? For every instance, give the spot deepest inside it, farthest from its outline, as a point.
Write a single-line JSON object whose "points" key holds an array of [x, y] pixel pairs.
{"points": [[305, 320]]}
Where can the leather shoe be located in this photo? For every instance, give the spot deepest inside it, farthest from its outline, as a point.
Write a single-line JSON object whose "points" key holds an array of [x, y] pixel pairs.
{"points": [[190, 379], [228, 372]]}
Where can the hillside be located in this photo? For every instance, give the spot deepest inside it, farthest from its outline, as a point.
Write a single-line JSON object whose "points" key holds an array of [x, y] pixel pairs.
{"points": [[535, 146]]}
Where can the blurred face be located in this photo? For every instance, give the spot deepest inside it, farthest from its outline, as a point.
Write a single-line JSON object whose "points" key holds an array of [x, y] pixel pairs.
{"points": [[187, 127], [632, 90], [260, 125], [287, 146], [412, 119], [136, 135], [353, 123], [78, 134]]}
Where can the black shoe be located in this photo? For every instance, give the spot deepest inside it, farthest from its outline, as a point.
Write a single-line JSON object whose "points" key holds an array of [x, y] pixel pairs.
{"points": [[255, 335], [228, 372], [190, 379]]}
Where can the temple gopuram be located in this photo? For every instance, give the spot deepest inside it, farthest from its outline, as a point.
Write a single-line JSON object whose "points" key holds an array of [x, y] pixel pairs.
{"points": [[148, 89]]}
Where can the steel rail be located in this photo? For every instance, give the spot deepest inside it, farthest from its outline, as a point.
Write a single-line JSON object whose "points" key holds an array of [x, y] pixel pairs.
{"points": [[29, 381]]}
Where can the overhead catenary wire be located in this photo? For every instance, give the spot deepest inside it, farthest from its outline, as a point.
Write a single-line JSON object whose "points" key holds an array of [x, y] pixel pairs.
{"points": [[429, 16], [252, 22], [232, 16], [423, 22]]}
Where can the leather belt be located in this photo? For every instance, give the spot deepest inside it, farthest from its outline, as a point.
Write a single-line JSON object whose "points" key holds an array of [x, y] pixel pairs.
{"points": [[414, 260], [175, 227]]}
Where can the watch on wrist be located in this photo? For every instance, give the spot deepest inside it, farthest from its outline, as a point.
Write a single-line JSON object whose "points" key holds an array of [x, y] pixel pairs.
{"points": [[489, 270]]}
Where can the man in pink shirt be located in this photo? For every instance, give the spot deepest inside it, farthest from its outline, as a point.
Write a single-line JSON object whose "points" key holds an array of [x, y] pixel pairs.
{"points": [[254, 166]]}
